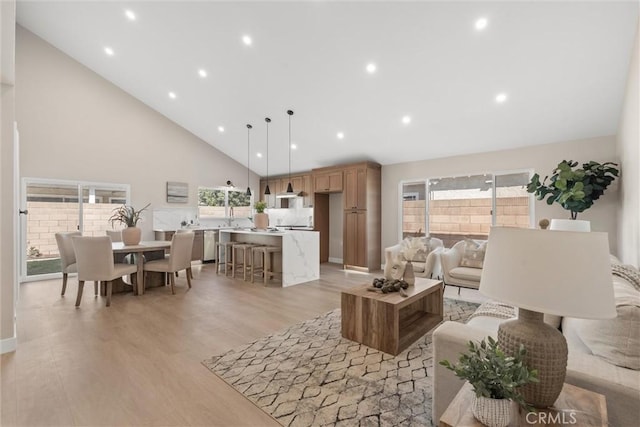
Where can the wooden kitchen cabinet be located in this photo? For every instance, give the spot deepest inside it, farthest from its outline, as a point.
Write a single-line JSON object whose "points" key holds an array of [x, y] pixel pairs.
{"points": [[355, 188], [328, 182], [362, 216], [355, 239]]}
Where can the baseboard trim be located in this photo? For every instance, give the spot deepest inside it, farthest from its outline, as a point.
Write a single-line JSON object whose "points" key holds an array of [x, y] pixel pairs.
{"points": [[8, 345], [335, 260]]}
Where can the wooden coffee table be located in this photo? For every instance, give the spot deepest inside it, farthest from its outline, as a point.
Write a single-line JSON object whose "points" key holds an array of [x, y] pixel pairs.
{"points": [[391, 322]]}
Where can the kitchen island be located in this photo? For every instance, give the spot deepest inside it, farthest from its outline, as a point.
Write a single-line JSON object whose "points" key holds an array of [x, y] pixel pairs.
{"points": [[299, 261]]}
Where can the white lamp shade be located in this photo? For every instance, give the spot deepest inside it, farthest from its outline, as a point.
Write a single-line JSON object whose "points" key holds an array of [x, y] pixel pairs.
{"points": [[570, 225], [564, 273]]}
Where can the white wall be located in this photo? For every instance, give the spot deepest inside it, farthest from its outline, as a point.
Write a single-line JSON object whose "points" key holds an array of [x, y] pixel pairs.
{"points": [[7, 228], [75, 125], [541, 158], [628, 148]]}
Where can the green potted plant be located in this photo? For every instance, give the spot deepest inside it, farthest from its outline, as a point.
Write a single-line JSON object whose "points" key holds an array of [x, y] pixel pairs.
{"points": [[260, 219], [574, 189], [495, 378], [128, 216]]}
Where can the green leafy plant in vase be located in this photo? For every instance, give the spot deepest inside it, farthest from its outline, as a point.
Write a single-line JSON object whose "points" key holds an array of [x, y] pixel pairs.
{"points": [[260, 219], [128, 216], [574, 189], [495, 378]]}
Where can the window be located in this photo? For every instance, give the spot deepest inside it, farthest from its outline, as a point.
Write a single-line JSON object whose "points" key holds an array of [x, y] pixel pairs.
{"points": [[223, 202], [452, 208]]}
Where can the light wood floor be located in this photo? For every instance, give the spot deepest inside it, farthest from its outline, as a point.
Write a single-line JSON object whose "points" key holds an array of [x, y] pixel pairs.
{"points": [[138, 361]]}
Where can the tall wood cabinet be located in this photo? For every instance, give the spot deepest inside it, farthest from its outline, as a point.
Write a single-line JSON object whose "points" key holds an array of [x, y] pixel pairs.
{"points": [[362, 216]]}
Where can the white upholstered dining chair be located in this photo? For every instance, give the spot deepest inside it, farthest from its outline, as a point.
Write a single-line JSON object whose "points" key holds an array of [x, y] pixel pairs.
{"points": [[67, 255], [116, 235], [179, 259], [94, 257]]}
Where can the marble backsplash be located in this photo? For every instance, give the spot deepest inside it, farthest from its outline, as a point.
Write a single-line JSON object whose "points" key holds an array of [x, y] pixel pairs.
{"points": [[295, 216], [172, 218]]}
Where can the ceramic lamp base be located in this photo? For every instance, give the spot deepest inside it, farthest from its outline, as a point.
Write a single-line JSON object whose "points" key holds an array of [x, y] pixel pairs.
{"points": [[546, 351]]}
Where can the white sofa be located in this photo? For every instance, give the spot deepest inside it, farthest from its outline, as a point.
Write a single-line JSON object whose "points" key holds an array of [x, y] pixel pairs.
{"points": [[620, 385], [425, 264]]}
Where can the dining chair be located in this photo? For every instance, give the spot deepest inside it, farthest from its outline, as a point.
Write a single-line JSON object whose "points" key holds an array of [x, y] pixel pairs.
{"points": [[67, 255], [179, 259], [116, 235], [94, 257], [182, 230]]}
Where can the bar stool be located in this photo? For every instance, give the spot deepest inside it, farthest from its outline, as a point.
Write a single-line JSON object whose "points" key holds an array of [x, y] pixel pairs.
{"points": [[246, 263], [219, 252], [266, 253], [228, 257]]}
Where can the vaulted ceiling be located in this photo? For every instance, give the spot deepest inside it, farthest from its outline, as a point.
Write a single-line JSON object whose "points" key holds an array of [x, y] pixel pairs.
{"points": [[443, 84]]}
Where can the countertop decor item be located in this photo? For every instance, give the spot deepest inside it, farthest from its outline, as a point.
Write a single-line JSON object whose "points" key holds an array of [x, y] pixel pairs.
{"points": [[574, 189], [129, 216], [561, 273], [249, 127], [495, 378], [267, 191], [260, 219]]}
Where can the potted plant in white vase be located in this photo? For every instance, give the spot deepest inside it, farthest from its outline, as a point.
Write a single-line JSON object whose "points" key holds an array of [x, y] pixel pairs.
{"points": [[495, 378], [575, 190], [128, 216], [260, 219]]}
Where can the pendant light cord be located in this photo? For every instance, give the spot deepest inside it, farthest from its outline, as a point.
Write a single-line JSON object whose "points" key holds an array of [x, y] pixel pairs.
{"points": [[248, 159], [289, 187], [267, 190]]}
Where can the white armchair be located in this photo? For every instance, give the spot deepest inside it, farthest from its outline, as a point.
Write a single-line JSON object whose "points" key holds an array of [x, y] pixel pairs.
{"points": [[455, 272], [425, 264]]}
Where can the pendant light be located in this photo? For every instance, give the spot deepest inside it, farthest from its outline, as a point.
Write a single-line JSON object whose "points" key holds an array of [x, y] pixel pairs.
{"points": [[248, 157], [290, 187], [266, 190]]}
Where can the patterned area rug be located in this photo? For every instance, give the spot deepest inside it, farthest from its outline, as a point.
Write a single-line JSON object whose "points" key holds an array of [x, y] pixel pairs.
{"points": [[308, 375]]}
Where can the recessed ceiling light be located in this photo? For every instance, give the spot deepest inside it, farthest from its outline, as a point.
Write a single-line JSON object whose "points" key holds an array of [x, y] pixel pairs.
{"points": [[340, 135], [259, 155], [130, 14], [247, 40], [172, 95], [501, 97], [406, 120], [481, 24], [371, 68], [108, 51], [220, 129], [202, 72], [294, 146]]}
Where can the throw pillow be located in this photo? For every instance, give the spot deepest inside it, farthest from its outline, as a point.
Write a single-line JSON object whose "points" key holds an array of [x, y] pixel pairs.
{"points": [[616, 340], [473, 255]]}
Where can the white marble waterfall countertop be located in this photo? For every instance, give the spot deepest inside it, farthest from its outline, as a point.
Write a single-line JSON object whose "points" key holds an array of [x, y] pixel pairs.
{"points": [[300, 258]]}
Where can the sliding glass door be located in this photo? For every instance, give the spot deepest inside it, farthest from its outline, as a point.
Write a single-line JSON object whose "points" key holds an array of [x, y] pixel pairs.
{"points": [[453, 208], [61, 206], [460, 207]]}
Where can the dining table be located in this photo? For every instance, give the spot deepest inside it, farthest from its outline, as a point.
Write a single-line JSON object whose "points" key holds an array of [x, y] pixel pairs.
{"points": [[145, 250]]}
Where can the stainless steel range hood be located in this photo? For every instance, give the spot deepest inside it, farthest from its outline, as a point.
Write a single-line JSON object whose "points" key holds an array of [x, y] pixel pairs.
{"points": [[289, 195]]}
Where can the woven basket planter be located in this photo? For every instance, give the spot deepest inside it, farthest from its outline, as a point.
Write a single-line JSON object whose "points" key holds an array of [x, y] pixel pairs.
{"points": [[492, 412]]}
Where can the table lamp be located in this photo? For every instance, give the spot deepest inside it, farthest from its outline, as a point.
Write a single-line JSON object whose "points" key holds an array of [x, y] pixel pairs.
{"points": [[564, 273]]}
